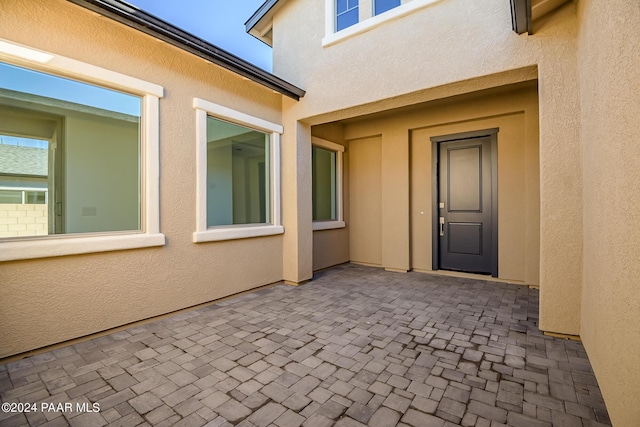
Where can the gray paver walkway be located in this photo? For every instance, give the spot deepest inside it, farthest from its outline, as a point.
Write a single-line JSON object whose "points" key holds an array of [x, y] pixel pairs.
{"points": [[356, 346]]}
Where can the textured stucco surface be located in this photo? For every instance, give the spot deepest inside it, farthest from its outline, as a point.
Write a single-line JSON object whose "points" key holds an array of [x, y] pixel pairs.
{"points": [[50, 300], [365, 198], [610, 133], [458, 47], [330, 247], [297, 256]]}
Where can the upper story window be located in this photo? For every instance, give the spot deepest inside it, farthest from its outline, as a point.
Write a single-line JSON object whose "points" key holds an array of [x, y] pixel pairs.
{"points": [[346, 13], [82, 154], [380, 6], [238, 174], [348, 18], [326, 181]]}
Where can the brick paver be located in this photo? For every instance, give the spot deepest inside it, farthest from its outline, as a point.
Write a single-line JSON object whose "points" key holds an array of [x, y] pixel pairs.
{"points": [[356, 346]]}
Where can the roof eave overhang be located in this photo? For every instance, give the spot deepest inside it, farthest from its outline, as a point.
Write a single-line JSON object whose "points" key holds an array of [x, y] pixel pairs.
{"points": [[261, 22], [521, 20], [133, 17]]}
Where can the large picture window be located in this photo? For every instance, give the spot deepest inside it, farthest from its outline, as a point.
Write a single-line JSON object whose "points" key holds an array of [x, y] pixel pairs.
{"points": [[326, 181], [78, 157], [78, 142], [238, 184]]}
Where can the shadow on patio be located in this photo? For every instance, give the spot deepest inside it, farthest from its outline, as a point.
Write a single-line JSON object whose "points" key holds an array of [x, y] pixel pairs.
{"points": [[356, 346]]}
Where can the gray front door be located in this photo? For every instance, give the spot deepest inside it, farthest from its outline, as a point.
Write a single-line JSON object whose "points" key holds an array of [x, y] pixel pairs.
{"points": [[467, 226]]}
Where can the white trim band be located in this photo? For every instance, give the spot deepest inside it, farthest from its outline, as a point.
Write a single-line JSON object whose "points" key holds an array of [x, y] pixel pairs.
{"points": [[225, 113], [69, 245], [236, 232], [328, 225]]}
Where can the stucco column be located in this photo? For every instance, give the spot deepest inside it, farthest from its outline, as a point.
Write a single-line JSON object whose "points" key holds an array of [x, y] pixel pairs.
{"points": [[532, 222], [297, 251], [560, 195], [395, 199]]}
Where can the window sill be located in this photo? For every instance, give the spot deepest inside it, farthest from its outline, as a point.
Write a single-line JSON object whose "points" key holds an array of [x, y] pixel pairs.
{"points": [[375, 21], [71, 245], [328, 225], [235, 232]]}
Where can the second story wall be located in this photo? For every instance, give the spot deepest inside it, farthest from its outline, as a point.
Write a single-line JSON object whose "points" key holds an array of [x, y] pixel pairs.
{"points": [[440, 43]]}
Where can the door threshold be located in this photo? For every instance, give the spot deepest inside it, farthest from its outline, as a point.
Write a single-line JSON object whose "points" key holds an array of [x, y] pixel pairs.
{"points": [[473, 276]]}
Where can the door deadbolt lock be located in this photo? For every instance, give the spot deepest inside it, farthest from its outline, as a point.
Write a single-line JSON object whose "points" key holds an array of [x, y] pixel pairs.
{"points": [[442, 226]]}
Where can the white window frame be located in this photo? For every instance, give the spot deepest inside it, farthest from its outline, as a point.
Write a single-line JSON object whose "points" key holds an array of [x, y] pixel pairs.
{"points": [[17, 248], [339, 150], [204, 233], [366, 23]]}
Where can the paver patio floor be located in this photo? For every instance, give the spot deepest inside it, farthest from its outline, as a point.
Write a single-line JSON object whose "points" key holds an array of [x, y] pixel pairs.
{"points": [[356, 346]]}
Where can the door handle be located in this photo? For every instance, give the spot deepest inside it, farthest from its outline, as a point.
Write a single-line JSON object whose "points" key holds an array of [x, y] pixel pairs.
{"points": [[442, 226]]}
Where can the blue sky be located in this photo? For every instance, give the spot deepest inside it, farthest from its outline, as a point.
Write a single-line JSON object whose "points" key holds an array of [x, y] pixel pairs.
{"points": [[220, 22]]}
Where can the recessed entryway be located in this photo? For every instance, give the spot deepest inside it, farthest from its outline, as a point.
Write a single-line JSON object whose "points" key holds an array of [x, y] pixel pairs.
{"points": [[465, 205]]}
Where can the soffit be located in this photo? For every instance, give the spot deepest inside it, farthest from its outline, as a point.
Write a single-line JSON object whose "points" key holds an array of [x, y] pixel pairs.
{"points": [[261, 22]]}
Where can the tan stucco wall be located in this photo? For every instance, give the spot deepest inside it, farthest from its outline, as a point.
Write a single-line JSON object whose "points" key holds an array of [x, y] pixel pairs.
{"points": [[45, 301], [365, 198], [330, 247], [462, 46], [610, 132], [408, 133]]}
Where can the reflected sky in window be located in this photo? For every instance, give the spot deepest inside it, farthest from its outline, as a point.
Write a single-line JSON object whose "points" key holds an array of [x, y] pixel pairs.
{"points": [[36, 83]]}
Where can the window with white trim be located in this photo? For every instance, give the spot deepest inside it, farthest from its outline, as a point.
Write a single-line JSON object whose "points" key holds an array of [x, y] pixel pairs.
{"points": [[326, 181], [348, 18], [81, 145], [238, 174]]}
